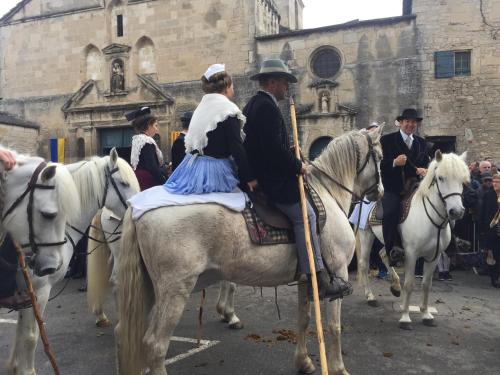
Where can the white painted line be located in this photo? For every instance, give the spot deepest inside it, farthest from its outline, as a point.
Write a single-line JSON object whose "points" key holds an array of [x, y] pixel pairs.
{"points": [[8, 321], [204, 345]]}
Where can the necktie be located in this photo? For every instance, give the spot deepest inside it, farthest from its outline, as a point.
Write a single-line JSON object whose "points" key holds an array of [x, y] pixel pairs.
{"points": [[408, 142]]}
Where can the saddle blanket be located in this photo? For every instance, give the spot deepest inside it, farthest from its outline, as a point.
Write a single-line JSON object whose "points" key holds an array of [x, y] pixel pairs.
{"points": [[157, 197], [365, 214]]}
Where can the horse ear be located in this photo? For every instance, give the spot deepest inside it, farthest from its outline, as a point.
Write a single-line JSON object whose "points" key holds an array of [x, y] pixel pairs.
{"points": [[49, 173], [113, 156], [438, 156], [463, 156]]}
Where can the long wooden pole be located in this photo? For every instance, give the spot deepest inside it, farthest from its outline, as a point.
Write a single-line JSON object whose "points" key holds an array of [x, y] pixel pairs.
{"points": [[36, 310], [310, 255]]}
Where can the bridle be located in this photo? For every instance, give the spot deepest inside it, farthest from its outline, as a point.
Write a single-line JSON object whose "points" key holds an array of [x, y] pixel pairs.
{"points": [[445, 219], [30, 191], [108, 180], [370, 155]]}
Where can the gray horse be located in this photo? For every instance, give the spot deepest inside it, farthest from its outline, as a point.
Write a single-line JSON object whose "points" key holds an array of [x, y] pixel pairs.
{"points": [[160, 266]]}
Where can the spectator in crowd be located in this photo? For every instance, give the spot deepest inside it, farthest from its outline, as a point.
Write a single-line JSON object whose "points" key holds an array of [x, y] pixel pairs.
{"points": [[444, 267], [178, 148], [490, 229], [475, 174]]}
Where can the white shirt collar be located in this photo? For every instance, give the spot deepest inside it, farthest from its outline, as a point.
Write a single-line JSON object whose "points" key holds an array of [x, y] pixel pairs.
{"points": [[405, 136], [272, 97]]}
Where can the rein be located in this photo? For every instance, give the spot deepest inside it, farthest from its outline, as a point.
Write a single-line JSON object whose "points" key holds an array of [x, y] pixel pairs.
{"points": [[30, 191], [109, 178], [444, 217]]}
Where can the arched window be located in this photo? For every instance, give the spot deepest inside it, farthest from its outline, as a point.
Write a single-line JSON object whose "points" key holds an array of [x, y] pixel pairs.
{"points": [[145, 56], [93, 63], [318, 146]]}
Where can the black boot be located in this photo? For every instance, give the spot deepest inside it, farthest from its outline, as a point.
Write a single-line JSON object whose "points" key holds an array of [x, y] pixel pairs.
{"points": [[332, 289]]}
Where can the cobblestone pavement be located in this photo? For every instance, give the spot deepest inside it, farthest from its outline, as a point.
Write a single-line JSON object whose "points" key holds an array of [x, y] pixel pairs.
{"points": [[465, 341]]}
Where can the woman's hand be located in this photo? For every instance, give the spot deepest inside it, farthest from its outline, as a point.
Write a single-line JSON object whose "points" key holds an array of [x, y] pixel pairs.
{"points": [[252, 185]]}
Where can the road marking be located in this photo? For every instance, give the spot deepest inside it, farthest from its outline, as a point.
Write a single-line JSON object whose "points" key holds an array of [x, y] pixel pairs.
{"points": [[204, 345], [8, 321]]}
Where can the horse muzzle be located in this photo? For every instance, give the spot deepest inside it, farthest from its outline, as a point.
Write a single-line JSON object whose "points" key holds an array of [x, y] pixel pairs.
{"points": [[456, 213], [44, 265]]}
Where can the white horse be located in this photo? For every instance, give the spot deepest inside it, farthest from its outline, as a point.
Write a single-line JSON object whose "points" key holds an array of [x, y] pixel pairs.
{"points": [[106, 181], [160, 266], [425, 232]]}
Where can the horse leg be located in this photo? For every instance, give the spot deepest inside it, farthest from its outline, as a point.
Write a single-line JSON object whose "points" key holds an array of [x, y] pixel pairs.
{"points": [[229, 314], [335, 360], [221, 301], [427, 317], [302, 360], [166, 313], [22, 360], [366, 238], [405, 321], [395, 282]]}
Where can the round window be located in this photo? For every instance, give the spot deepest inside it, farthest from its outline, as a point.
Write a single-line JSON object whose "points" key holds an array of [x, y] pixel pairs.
{"points": [[325, 63]]}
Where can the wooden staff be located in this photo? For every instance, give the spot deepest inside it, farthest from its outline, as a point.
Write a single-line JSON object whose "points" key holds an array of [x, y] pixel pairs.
{"points": [[310, 255], [36, 310]]}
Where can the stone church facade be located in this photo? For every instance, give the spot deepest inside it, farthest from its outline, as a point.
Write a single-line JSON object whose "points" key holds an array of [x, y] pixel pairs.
{"points": [[74, 67]]}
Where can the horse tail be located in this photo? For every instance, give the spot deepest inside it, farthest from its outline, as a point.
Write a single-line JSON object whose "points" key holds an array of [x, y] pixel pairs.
{"points": [[98, 269], [135, 299]]}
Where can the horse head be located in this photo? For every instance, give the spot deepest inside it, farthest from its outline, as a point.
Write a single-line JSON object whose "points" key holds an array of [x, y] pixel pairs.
{"points": [[368, 182], [448, 173], [121, 183], [38, 199]]}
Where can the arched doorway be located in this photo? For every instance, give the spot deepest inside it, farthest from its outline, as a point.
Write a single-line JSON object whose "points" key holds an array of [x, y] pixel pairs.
{"points": [[318, 146]]}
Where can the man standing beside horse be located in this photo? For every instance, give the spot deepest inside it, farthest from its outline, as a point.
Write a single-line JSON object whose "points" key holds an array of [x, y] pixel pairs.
{"points": [[269, 152], [404, 161]]}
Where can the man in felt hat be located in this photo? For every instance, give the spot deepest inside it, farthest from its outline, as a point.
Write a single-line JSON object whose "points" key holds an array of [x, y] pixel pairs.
{"points": [[178, 147], [404, 160], [276, 167]]}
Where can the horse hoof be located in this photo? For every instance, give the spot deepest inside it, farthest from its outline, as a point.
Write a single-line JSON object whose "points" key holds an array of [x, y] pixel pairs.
{"points": [[429, 322], [103, 323], [406, 326], [373, 303], [395, 292], [308, 368], [237, 325]]}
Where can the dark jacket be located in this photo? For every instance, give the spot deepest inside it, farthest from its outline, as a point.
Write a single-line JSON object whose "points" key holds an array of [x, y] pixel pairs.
{"points": [[148, 161], [393, 145], [268, 149], [224, 141], [489, 208], [178, 151]]}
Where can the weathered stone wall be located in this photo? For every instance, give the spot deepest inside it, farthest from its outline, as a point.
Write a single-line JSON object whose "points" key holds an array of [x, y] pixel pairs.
{"points": [[22, 139], [379, 74], [455, 104]]}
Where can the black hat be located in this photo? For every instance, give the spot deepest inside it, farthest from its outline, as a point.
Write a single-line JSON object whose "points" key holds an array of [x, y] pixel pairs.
{"points": [[138, 113], [408, 114], [186, 116], [274, 67], [486, 176]]}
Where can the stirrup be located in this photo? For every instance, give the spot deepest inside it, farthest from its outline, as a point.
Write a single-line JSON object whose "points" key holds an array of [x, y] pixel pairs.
{"points": [[397, 254]]}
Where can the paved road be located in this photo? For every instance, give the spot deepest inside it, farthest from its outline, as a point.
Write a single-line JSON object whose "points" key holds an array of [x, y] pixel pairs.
{"points": [[466, 340]]}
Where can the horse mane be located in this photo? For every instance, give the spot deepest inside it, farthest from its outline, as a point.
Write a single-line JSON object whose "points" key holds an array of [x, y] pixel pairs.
{"points": [[90, 178], [339, 159], [451, 166]]}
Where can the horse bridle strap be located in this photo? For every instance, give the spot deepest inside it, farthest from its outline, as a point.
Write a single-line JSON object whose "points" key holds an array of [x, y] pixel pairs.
{"points": [[109, 177], [30, 190]]}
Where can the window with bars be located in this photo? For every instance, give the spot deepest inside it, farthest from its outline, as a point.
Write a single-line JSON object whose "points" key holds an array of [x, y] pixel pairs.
{"points": [[452, 63]]}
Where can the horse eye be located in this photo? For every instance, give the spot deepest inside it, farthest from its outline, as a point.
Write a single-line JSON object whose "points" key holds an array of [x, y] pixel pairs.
{"points": [[124, 184], [441, 178], [49, 215]]}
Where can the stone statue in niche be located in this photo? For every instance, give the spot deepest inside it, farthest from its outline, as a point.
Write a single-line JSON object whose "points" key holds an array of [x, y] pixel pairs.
{"points": [[325, 103], [117, 77]]}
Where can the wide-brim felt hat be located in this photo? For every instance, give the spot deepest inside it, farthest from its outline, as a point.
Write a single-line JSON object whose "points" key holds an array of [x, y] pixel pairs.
{"points": [[274, 68], [409, 114]]}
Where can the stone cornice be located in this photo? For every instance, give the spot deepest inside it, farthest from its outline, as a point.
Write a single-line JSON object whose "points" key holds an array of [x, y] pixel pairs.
{"points": [[115, 48]]}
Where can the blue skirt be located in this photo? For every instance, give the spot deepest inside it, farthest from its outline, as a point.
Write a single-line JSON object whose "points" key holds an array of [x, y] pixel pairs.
{"points": [[202, 174]]}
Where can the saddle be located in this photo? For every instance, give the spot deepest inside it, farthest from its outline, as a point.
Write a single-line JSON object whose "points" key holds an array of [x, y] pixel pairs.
{"points": [[269, 226], [377, 214]]}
